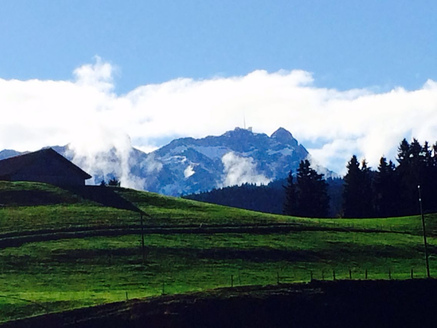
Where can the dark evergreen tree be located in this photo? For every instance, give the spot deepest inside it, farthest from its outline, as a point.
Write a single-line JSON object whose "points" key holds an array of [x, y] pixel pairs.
{"points": [[357, 194], [114, 182], [351, 193], [386, 190], [308, 196], [366, 191], [416, 167], [428, 172], [312, 195], [431, 198], [290, 202]]}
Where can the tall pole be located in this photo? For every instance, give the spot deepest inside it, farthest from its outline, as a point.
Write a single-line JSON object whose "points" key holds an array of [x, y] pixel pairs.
{"points": [[143, 251], [424, 233]]}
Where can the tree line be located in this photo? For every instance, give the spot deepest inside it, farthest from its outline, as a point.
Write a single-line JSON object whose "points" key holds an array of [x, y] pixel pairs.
{"points": [[265, 198], [391, 190]]}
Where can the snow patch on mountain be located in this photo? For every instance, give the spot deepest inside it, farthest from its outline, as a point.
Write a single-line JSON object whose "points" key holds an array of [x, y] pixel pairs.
{"points": [[189, 171]]}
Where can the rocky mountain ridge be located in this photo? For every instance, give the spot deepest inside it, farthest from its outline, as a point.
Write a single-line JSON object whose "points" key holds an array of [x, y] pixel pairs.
{"points": [[189, 165]]}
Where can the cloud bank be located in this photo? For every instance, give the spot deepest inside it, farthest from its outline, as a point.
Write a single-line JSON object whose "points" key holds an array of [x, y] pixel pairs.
{"points": [[87, 113]]}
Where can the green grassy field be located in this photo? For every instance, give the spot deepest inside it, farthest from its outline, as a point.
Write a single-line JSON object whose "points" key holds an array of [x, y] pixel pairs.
{"points": [[52, 275]]}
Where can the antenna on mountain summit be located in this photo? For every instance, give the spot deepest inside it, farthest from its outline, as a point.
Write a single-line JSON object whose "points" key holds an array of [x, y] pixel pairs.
{"points": [[244, 124]]}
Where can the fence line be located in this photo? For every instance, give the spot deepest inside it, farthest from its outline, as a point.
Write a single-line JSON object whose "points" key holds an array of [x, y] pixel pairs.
{"points": [[236, 280], [314, 275], [334, 275]]}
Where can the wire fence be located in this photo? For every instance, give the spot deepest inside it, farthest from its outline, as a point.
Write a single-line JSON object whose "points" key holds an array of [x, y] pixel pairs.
{"points": [[234, 280], [239, 279]]}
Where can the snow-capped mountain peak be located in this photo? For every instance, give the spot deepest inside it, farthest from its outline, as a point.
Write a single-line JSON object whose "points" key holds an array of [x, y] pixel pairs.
{"points": [[192, 165], [189, 165]]}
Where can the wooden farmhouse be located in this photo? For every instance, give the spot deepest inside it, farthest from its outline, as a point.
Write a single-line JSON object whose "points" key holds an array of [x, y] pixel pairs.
{"points": [[45, 165]]}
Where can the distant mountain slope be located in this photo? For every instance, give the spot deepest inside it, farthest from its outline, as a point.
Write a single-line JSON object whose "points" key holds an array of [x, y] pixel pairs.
{"points": [[188, 165], [266, 198], [7, 153]]}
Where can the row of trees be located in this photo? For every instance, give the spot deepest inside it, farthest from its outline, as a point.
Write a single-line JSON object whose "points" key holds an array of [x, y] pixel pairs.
{"points": [[264, 198], [390, 191], [112, 183]]}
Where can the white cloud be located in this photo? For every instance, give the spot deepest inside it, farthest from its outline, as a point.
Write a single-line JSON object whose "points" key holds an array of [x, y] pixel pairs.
{"points": [[96, 76], [86, 112], [239, 170]]}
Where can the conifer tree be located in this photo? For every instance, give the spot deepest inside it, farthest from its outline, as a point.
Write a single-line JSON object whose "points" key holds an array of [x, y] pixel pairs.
{"points": [[351, 193], [386, 190], [431, 198], [308, 196], [290, 203], [357, 194], [416, 167], [366, 190], [312, 195]]}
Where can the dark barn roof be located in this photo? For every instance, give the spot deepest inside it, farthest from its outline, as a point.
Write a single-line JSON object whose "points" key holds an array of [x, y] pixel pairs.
{"points": [[19, 165]]}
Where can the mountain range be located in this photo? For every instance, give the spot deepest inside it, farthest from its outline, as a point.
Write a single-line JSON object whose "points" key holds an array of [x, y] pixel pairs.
{"points": [[189, 165]]}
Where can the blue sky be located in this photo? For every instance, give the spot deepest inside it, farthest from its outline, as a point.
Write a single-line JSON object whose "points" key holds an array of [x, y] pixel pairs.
{"points": [[345, 44], [345, 77]]}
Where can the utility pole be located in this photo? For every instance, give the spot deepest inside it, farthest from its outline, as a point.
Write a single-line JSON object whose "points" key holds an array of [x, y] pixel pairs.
{"points": [[424, 233], [143, 251]]}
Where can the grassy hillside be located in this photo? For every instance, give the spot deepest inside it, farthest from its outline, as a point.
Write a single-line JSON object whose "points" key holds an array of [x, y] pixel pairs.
{"points": [[83, 253], [345, 303]]}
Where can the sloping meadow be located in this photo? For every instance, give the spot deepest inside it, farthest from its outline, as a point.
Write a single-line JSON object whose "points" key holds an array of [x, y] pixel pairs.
{"points": [[85, 254]]}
